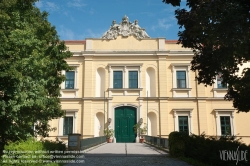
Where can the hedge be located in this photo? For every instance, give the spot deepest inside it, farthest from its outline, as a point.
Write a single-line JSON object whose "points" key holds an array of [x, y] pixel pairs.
{"points": [[208, 150]]}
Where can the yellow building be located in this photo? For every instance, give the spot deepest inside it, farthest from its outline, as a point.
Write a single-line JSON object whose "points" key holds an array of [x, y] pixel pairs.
{"points": [[130, 76]]}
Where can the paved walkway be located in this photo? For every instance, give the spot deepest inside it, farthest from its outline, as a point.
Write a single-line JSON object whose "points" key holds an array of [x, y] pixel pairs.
{"points": [[126, 149], [127, 154]]}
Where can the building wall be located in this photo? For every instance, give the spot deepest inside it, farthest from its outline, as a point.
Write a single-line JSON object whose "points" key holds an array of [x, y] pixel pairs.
{"points": [[95, 59]]}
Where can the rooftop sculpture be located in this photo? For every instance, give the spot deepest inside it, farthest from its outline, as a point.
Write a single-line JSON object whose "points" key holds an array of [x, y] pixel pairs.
{"points": [[125, 28]]}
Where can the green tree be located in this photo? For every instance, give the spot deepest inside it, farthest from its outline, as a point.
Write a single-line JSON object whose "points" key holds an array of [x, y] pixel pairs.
{"points": [[218, 32], [31, 60]]}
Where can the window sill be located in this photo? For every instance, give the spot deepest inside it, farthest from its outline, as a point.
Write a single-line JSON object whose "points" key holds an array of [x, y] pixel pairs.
{"points": [[182, 89], [69, 89], [219, 89], [62, 136], [125, 89]]}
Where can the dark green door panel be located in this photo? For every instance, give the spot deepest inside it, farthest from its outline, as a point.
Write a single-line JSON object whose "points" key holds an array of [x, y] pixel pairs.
{"points": [[125, 119]]}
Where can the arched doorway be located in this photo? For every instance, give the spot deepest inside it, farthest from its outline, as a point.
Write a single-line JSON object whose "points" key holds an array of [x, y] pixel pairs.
{"points": [[125, 119]]}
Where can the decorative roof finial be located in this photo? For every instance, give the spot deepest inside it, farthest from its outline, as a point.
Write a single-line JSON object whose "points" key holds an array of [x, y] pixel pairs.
{"points": [[125, 28]]}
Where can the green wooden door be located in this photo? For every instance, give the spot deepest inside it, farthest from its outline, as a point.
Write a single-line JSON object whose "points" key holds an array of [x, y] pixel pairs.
{"points": [[125, 119]]}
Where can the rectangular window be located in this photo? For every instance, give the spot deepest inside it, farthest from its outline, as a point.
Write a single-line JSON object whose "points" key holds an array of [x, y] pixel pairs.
{"points": [[133, 79], [219, 81], [183, 124], [181, 79], [68, 125], [70, 80], [117, 79], [225, 125]]}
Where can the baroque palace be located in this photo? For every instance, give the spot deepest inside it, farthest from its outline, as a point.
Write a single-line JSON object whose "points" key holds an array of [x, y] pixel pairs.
{"points": [[125, 77]]}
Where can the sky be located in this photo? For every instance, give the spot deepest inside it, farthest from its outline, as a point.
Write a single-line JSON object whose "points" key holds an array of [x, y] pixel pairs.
{"points": [[81, 19]]}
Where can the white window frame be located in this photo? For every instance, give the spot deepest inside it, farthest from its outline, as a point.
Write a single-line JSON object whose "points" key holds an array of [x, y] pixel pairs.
{"points": [[76, 68], [183, 112], [74, 79], [125, 68], [181, 67], [216, 84], [138, 76], [224, 112], [123, 77], [186, 86], [75, 90], [216, 89], [69, 113]]}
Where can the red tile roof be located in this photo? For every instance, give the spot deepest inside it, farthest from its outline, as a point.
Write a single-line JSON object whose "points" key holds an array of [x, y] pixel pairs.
{"points": [[171, 41]]}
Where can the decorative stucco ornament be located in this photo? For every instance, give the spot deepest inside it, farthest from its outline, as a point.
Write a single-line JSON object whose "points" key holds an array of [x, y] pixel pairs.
{"points": [[125, 28]]}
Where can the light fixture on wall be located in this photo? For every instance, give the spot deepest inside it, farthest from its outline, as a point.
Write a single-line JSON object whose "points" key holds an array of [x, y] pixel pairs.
{"points": [[109, 120], [141, 121]]}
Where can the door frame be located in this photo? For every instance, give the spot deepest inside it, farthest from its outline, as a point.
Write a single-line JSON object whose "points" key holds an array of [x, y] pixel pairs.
{"points": [[112, 115]]}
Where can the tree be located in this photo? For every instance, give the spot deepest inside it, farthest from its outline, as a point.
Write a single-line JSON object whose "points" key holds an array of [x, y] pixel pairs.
{"points": [[218, 32], [31, 60]]}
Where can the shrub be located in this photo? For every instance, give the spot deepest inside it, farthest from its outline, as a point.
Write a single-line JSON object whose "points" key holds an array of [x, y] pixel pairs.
{"points": [[177, 143], [26, 152], [206, 149]]}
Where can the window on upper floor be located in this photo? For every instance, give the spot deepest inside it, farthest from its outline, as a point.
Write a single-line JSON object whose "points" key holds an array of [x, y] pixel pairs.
{"points": [[117, 79], [225, 125], [181, 79], [133, 79], [70, 80], [219, 82], [68, 125], [183, 124], [125, 78]]}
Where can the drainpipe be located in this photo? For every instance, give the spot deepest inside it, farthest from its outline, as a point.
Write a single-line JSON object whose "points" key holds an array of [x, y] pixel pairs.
{"points": [[104, 112], [198, 111], [147, 112]]}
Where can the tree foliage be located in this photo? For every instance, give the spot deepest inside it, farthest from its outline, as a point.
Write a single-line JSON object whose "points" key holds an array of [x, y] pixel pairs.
{"points": [[218, 31], [31, 61]]}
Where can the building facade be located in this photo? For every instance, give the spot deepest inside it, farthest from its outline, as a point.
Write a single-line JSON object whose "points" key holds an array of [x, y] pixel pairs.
{"points": [[126, 76]]}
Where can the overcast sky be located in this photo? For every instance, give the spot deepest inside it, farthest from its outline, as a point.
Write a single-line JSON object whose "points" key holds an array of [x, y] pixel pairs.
{"points": [[80, 19]]}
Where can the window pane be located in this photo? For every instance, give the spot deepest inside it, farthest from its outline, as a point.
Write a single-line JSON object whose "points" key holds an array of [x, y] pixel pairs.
{"points": [[70, 80], [181, 75], [181, 79], [225, 125], [133, 79], [183, 124], [117, 79], [219, 81], [68, 125]]}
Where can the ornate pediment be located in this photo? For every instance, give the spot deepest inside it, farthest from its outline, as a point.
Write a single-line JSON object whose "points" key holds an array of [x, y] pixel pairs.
{"points": [[125, 29]]}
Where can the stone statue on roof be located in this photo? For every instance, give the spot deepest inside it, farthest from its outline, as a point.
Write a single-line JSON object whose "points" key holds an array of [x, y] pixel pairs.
{"points": [[139, 32], [125, 29]]}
